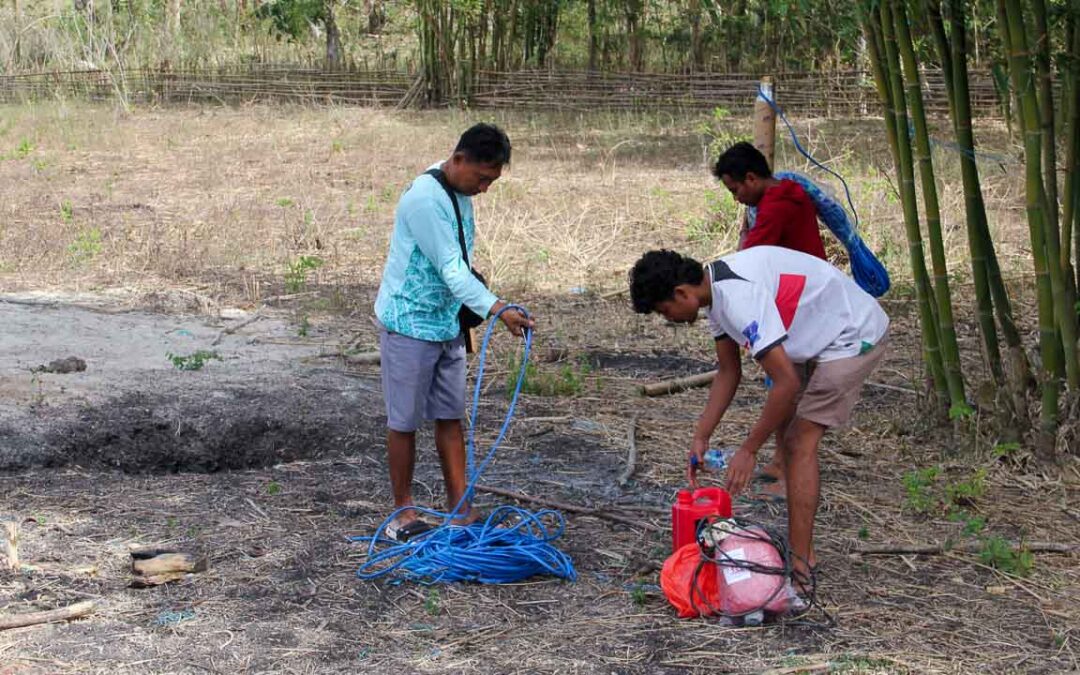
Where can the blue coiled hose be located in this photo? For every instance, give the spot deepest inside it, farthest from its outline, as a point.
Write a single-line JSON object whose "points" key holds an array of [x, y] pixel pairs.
{"points": [[510, 545]]}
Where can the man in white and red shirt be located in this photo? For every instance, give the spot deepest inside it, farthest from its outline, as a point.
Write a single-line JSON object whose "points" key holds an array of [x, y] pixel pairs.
{"points": [[814, 331]]}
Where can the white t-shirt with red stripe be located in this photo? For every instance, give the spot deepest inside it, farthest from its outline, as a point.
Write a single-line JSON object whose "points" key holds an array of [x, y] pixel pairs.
{"points": [[767, 295]]}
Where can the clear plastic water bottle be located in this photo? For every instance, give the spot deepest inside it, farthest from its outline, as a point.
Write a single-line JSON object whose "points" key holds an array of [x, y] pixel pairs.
{"points": [[715, 459]]}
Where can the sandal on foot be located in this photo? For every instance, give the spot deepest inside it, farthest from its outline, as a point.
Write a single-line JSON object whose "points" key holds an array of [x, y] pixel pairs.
{"points": [[403, 533]]}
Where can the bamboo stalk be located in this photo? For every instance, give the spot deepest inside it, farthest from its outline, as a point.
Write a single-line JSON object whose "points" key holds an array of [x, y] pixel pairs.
{"points": [[1035, 198], [896, 105], [1070, 220], [950, 351], [954, 60]]}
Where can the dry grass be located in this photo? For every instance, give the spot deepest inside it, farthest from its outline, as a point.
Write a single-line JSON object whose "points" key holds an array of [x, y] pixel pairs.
{"points": [[222, 198], [196, 199]]}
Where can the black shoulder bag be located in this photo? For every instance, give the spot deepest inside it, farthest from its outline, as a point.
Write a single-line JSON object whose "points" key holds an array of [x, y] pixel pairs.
{"points": [[467, 318]]}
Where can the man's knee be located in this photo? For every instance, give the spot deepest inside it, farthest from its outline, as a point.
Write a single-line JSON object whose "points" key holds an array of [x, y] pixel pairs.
{"points": [[803, 436]]}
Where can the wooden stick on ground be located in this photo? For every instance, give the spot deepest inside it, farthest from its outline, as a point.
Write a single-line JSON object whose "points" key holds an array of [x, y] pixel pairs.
{"points": [[232, 329], [572, 508], [961, 547], [10, 528], [678, 384], [631, 455], [664, 387], [76, 611]]}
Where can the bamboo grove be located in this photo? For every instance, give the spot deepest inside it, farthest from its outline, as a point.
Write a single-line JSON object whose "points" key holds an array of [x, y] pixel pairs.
{"points": [[1040, 47]]}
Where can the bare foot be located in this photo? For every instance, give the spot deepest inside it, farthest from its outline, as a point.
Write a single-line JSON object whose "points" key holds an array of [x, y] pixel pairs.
{"points": [[470, 517], [405, 517], [771, 471]]}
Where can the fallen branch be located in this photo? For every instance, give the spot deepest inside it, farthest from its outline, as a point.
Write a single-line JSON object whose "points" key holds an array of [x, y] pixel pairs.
{"points": [[572, 508], [232, 329], [678, 384], [960, 547], [631, 455], [76, 611]]}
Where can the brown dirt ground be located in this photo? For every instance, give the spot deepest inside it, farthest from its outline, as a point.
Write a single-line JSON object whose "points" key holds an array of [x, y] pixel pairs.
{"points": [[281, 596]]}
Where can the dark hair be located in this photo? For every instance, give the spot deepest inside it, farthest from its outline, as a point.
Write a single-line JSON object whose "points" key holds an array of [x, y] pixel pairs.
{"points": [[741, 159], [485, 143], [655, 276]]}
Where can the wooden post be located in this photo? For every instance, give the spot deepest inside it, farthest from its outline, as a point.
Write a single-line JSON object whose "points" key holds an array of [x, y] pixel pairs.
{"points": [[10, 528], [764, 133], [765, 121]]}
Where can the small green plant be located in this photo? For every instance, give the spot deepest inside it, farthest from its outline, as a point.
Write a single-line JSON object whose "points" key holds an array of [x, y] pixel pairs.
{"points": [[67, 211], [999, 554], [637, 594], [431, 603], [86, 247], [568, 380], [305, 326], [864, 533], [171, 522], [1005, 449], [336, 146], [974, 525], [918, 484], [309, 217], [193, 361], [961, 411], [284, 202], [296, 273], [39, 165], [964, 493], [273, 488], [24, 149]]}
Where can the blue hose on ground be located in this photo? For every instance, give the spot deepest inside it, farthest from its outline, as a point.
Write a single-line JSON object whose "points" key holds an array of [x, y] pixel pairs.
{"points": [[867, 270], [510, 545]]}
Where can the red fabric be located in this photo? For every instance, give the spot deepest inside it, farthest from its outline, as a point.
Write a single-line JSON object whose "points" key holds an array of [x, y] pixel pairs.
{"points": [[787, 296], [786, 217], [677, 582]]}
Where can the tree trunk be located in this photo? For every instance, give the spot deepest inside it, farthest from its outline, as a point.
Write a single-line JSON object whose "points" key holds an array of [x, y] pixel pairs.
{"points": [[333, 37], [593, 37], [376, 17], [634, 11], [697, 56]]}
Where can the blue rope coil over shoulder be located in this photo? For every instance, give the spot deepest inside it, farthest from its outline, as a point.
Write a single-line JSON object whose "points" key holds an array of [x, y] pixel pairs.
{"points": [[867, 270], [510, 545]]}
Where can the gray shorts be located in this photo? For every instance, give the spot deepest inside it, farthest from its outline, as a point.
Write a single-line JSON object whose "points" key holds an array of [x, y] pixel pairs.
{"points": [[421, 380]]}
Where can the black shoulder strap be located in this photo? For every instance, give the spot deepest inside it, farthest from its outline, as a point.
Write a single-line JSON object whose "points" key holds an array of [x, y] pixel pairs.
{"points": [[721, 271], [438, 175]]}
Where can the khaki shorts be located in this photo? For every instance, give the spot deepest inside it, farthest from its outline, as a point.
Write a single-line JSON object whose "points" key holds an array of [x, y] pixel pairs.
{"points": [[833, 387]]}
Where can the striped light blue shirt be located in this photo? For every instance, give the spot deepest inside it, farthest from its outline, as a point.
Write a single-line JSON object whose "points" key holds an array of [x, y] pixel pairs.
{"points": [[425, 280]]}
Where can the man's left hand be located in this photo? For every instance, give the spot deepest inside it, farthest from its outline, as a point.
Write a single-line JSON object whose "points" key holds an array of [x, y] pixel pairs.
{"points": [[739, 470]]}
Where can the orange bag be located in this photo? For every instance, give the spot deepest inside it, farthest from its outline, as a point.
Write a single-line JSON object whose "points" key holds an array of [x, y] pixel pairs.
{"points": [[677, 582]]}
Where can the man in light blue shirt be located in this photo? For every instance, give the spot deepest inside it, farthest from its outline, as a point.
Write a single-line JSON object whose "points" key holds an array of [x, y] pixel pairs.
{"points": [[426, 281]]}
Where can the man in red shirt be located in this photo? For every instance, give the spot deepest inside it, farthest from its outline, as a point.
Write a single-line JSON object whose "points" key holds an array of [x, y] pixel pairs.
{"points": [[787, 217]]}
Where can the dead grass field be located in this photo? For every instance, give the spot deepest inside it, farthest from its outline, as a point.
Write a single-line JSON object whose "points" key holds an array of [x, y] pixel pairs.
{"points": [[192, 211]]}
